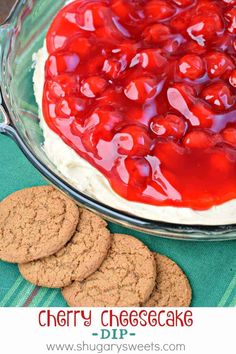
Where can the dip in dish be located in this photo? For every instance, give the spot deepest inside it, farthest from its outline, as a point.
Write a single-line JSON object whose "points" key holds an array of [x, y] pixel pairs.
{"points": [[137, 104]]}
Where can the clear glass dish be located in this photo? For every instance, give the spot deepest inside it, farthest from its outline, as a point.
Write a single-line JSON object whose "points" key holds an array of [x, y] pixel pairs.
{"points": [[20, 36]]}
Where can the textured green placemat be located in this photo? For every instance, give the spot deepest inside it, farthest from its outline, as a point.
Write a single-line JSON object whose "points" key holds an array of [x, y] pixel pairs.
{"points": [[211, 267]]}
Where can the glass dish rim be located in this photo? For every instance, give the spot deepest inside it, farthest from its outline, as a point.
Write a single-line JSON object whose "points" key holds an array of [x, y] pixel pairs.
{"points": [[157, 228]]}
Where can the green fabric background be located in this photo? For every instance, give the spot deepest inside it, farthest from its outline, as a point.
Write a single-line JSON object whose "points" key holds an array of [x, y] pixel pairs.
{"points": [[211, 267]]}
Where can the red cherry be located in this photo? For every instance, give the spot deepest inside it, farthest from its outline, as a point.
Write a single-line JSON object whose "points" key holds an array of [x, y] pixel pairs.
{"points": [[168, 126], [133, 141], [95, 66], [218, 95], [186, 92], [156, 33], [191, 66], [198, 140], [121, 8], [125, 51], [62, 109], [70, 107], [179, 23], [207, 7], [91, 16], [100, 126], [93, 86], [62, 85], [69, 83], [218, 64], [77, 105], [223, 41], [141, 89], [203, 27], [139, 170], [232, 78], [159, 10], [168, 152], [136, 114], [91, 139], [183, 3], [229, 136], [110, 97], [106, 117], [80, 46], [204, 114], [194, 48], [59, 63], [151, 59], [230, 17], [54, 90], [112, 68]]}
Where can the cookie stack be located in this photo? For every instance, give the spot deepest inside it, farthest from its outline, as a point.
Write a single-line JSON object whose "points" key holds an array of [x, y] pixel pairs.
{"points": [[59, 245]]}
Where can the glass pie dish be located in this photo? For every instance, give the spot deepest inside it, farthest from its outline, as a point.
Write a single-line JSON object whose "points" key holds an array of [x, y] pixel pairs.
{"points": [[21, 36]]}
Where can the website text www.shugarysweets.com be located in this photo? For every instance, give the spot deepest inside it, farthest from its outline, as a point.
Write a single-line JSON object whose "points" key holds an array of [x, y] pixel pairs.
{"points": [[116, 318], [116, 348]]}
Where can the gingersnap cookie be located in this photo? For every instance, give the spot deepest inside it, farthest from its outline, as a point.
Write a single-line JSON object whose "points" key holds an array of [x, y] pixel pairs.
{"points": [[172, 287], [81, 257], [35, 223], [125, 278]]}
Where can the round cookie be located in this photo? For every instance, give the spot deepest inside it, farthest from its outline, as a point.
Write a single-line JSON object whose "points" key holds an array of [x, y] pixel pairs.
{"points": [[81, 257], [172, 287], [34, 223], [125, 278]]}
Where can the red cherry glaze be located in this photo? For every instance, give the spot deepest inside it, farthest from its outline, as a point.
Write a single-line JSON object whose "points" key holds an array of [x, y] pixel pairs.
{"points": [[139, 170], [221, 162], [159, 10], [121, 9], [203, 113], [229, 136], [80, 46], [186, 93], [145, 92]]}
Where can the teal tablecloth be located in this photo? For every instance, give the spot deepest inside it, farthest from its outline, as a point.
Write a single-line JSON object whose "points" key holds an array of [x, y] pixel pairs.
{"points": [[211, 267]]}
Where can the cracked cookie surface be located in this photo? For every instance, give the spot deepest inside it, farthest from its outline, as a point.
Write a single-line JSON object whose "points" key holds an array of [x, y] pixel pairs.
{"points": [[35, 223], [172, 287], [77, 260], [125, 279]]}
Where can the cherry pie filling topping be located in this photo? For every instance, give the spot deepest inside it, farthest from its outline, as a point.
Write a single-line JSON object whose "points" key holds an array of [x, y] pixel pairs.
{"points": [[145, 91]]}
